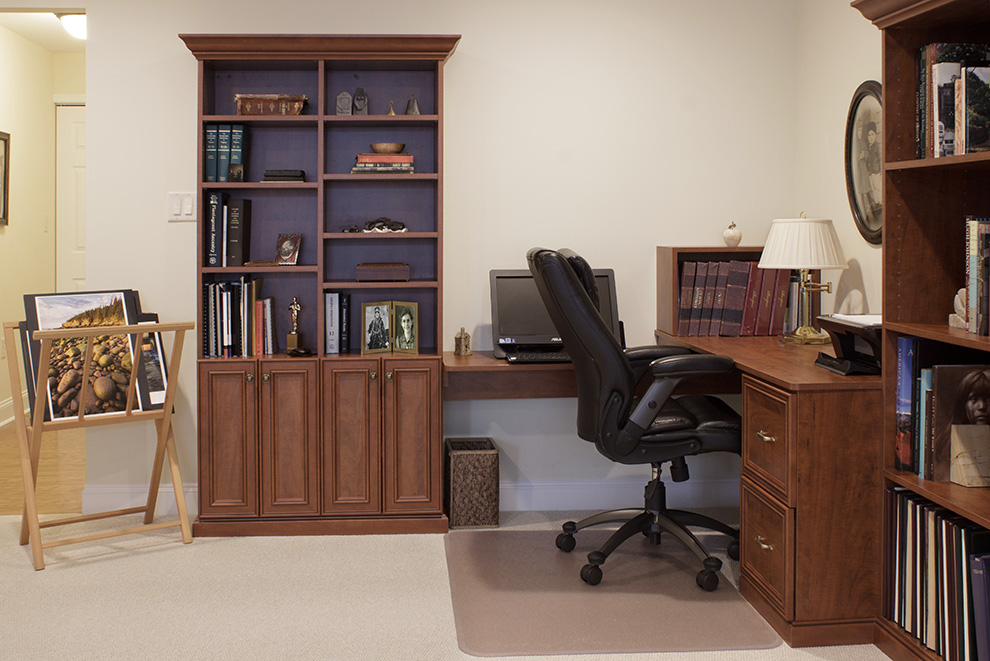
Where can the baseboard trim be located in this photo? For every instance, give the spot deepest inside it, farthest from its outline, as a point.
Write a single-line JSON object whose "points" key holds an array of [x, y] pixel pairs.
{"points": [[106, 497], [613, 493], [7, 409], [550, 496]]}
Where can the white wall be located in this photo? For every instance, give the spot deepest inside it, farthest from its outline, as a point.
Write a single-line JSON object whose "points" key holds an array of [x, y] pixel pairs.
{"points": [[610, 128], [27, 243]]}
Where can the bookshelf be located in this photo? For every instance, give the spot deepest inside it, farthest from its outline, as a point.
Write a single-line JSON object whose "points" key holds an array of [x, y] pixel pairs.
{"points": [[332, 442], [924, 203]]}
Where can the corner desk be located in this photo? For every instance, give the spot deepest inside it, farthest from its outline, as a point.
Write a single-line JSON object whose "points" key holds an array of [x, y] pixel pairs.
{"points": [[809, 557]]}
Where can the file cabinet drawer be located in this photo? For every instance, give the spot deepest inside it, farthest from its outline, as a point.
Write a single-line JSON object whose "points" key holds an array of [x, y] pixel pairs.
{"points": [[769, 437], [766, 547]]}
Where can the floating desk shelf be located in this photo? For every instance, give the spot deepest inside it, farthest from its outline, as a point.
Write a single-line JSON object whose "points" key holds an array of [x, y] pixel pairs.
{"points": [[29, 435]]}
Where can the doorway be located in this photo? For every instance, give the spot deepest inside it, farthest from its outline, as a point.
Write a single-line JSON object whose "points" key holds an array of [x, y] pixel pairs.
{"points": [[70, 198]]}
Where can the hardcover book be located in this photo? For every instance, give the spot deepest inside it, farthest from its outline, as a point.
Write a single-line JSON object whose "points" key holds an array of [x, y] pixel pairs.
{"points": [[781, 294], [210, 153], [238, 152], [976, 104], [332, 322], [698, 298], [214, 229], [709, 301], [961, 395], [223, 152], [765, 309], [735, 298], [754, 287], [688, 270], [238, 231], [718, 306]]}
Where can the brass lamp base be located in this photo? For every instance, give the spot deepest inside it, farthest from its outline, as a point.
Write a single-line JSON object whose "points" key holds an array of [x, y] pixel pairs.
{"points": [[806, 335]]}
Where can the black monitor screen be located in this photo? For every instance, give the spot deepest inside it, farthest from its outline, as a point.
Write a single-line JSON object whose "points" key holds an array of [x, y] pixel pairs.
{"points": [[519, 318]]}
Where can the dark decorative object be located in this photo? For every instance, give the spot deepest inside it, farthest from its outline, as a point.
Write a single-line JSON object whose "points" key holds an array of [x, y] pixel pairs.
{"points": [[412, 108], [384, 224], [360, 102], [864, 160], [462, 343], [391, 108], [288, 249], [344, 104], [4, 177], [382, 272], [270, 104]]}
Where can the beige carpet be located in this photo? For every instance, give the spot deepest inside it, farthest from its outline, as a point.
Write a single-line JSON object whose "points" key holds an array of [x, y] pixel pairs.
{"points": [[503, 581]]}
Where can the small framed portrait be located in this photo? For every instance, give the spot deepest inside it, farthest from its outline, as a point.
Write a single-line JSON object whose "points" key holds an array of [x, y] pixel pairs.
{"points": [[376, 333], [406, 322], [864, 160], [287, 250]]}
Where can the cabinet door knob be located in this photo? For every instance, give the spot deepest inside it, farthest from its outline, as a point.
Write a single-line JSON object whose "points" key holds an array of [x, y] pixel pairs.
{"points": [[373, 376], [266, 378], [763, 544], [765, 437], [249, 378], [388, 376]]}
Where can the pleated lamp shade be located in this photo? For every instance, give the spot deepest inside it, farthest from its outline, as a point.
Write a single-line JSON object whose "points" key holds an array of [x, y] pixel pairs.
{"points": [[802, 243]]}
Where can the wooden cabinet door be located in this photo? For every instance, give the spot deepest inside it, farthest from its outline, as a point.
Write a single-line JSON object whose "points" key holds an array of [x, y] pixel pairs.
{"points": [[289, 463], [411, 433], [228, 439], [352, 445]]}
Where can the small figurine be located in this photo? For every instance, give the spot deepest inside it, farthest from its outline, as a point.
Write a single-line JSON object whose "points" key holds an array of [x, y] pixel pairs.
{"points": [[462, 343], [731, 235], [344, 104], [360, 102], [412, 108], [292, 340]]}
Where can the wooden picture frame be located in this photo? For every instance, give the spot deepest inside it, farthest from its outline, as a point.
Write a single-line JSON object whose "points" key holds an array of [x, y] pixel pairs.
{"points": [[864, 160], [376, 327], [4, 177], [405, 324]]}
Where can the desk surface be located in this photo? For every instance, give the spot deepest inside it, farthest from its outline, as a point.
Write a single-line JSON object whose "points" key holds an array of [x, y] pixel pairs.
{"points": [[789, 366], [483, 376]]}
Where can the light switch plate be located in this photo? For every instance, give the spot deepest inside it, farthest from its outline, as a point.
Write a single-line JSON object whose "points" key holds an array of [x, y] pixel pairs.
{"points": [[181, 208]]}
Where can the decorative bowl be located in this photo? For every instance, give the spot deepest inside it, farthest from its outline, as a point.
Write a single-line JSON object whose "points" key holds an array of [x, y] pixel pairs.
{"points": [[387, 147]]}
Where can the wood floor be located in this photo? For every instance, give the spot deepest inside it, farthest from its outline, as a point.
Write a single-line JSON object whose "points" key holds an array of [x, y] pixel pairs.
{"points": [[61, 472]]}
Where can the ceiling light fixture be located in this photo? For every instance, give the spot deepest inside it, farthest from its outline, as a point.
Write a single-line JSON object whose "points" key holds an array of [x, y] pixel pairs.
{"points": [[74, 24]]}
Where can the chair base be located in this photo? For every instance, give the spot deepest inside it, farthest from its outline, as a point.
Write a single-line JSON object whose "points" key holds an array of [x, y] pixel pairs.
{"points": [[652, 520]]}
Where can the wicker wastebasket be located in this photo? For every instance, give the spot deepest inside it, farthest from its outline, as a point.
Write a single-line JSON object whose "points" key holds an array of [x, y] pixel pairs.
{"points": [[470, 469]]}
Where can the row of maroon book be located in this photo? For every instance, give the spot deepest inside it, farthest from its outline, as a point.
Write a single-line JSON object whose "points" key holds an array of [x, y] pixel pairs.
{"points": [[733, 299]]}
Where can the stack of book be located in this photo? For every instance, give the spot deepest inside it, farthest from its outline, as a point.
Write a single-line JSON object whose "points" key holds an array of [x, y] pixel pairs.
{"points": [[284, 175], [225, 153], [939, 563], [953, 99], [237, 322], [735, 299], [383, 163]]}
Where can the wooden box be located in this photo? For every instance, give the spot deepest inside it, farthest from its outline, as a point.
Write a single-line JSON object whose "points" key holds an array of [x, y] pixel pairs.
{"points": [[382, 272], [270, 104]]}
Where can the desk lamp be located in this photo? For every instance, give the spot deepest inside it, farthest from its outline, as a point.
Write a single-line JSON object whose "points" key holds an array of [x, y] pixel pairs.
{"points": [[804, 244]]}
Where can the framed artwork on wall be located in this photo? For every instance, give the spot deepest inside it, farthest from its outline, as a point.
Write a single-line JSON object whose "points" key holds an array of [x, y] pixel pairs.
{"points": [[864, 160], [4, 177]]}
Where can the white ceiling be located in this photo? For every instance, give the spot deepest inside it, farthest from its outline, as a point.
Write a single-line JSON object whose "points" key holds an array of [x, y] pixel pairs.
{"points": [[43, 29]]}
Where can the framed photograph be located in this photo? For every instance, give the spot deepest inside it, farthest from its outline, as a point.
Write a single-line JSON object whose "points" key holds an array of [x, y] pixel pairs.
{"points": [[864, 160], [153, 375], [4, 177], [405, 320], [113, 355], [287, 250], [376, 333]]}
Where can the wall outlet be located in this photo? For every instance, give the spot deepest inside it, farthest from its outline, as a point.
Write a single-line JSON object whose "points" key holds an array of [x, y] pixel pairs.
{"points": [[181, 207]]}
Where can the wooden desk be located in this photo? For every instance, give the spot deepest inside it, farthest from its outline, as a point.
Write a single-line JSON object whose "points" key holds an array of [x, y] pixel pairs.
{"points": [[482, 376], [808, 506]]}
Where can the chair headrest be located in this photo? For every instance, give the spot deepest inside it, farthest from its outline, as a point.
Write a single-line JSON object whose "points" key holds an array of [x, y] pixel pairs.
{"points": [[584, 273]]}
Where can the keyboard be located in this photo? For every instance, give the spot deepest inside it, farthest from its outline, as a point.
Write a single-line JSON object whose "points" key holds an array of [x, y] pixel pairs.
{"points": [[526, 356]]}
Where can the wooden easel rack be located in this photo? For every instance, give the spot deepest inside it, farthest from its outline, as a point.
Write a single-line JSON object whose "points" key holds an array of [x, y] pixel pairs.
{"points": [[29, 436]]}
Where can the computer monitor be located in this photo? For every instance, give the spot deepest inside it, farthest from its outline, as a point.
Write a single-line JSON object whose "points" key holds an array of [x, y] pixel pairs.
{"points": [[520, 320]]}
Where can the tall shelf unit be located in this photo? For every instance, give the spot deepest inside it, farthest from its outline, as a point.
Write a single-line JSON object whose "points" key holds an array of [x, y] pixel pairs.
{"points": [[331, 443], [924, 204]]}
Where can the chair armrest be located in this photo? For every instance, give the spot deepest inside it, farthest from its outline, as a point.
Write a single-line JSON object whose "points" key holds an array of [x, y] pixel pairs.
{"points": [[667, 373], [641, 357]]}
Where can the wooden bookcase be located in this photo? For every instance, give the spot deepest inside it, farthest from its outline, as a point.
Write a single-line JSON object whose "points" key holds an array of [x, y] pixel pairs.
{"points": [[924, 204], [346, 442]]}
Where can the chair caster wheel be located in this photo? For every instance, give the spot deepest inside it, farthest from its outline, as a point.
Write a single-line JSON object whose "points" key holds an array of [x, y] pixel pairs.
{"points": [[707, 580], [733, 550], [565, 542], [592, 574]]}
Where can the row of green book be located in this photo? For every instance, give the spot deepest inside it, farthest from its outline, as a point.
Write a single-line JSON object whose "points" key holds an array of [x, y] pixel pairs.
{"points": [[225, 152], [735, 299], [938, 589]]}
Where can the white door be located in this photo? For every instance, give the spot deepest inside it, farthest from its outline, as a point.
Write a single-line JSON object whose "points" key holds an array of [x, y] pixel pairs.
{"points": [[70, 198]]}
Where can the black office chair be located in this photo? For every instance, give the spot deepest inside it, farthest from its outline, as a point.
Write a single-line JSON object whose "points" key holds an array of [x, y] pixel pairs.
{"points": [[653, 429]]}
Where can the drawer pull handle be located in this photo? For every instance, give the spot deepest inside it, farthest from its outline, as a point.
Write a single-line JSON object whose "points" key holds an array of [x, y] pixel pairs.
{"points": [[762, 544], [373, 376], [765, 437]]}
